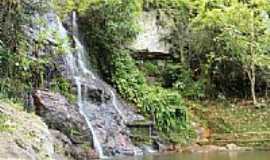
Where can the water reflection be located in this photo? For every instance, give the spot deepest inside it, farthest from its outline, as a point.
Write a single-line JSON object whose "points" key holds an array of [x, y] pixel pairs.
{"points": [[209, 156]]}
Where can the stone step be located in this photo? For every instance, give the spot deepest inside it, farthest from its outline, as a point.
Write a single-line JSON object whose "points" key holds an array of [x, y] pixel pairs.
{"points": [[246, 135], [260, 140], [239, 141], [255, 143]]}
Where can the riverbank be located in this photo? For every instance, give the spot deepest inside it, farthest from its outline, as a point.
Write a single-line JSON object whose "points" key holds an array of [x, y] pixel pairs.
{"points": [[225, 126], [240, 123]]}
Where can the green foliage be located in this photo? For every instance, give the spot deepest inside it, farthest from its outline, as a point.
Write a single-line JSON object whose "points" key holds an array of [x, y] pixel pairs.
{"points": [[15, 65], [151, 68], [13, 73], [181, 79], [108, 25], [65, 7], [165, 106], [184, 136], [163, 4], [60, 84], [13, 15], [20, 74], [188, 87], [4, 126], [240, 35], [208, 35], [227, 117]]}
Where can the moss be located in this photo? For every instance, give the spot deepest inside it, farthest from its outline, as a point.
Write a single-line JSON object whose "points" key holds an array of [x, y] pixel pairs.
{"points": [[62, 85], [4, 124], [141, 136], [73, 132], [182, 136], [141, 140], [86, 146]]}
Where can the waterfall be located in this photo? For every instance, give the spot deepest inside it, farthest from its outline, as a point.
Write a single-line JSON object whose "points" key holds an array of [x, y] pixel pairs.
{"points": [[97, 145], [98, 102], [114, 101], [74, 71], [81, 59]]}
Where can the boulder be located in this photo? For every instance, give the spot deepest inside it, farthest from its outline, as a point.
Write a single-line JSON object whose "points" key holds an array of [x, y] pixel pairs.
{"points": [[60, 115]]}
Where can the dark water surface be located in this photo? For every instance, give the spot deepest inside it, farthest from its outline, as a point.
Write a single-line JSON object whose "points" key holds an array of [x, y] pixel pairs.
{"points": [[256, 155]]}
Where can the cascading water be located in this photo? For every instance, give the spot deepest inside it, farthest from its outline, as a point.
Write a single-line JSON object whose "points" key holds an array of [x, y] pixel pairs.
{"points": [[97, 145], [99, 104], [73, 71]]}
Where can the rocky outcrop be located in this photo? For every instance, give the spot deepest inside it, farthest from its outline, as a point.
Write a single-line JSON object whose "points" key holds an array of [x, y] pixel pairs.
{"points": [[64, 117], [23, 136], [151, 38], [45, 40]]}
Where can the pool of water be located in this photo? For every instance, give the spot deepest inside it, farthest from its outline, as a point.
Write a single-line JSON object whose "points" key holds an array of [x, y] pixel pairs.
{"points": [[256, 155]]}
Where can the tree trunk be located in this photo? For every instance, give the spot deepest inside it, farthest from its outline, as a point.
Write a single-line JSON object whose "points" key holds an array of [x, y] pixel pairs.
{"points": [[252, 67], [252, 79], [253, 82]]}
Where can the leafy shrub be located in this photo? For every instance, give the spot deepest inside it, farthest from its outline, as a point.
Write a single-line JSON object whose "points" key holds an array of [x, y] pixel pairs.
{"points": [[165, 106], [108, 25], [64, 7], [150, 68], [181, 79], [162, 4], [189, 87]]}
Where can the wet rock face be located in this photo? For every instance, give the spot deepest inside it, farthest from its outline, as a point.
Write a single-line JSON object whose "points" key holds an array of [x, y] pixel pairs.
{"points": [[97, 96], [64, 117]]}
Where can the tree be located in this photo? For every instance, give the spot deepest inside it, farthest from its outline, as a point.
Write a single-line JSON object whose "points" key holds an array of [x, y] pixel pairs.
{"points": [[245, 34], [236, 31]]}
